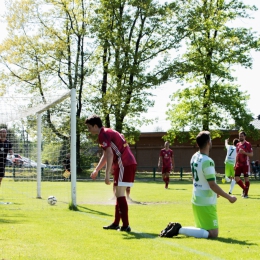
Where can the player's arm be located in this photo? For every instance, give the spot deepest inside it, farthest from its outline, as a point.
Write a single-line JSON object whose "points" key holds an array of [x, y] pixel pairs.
{"points": [[250, 154], [226, 143], [214, 186], [160, 161], [109, 161], [173, 164], [101, 164]]}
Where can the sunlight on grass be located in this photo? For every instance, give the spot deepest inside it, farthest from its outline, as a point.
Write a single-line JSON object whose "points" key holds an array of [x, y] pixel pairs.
{"points": [[32, 229]]}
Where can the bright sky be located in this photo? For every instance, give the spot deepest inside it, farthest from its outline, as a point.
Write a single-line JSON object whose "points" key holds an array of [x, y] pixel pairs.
{"points": [[246, 78]]}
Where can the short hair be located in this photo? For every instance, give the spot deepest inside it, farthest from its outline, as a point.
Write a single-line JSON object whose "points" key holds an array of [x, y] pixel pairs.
{"points": [[3, 130], [94, 120], [203, 138], [242, 132], [235, 141]]}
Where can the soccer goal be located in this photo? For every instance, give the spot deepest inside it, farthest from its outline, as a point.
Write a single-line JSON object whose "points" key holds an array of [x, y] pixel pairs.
{"points": [[44, 145]]}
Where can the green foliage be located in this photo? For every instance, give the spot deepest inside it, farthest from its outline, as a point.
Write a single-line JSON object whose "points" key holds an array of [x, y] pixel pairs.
{"points": [[132, 35], [212, 101]]}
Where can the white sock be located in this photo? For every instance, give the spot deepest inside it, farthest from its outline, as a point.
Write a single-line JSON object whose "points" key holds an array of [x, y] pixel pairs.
{"points": [[232, 185], [194, 232]]}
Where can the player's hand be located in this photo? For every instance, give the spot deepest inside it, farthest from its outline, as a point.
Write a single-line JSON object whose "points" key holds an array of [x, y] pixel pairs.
{"points": [[241, 151], [232, 199], [107, 181], [94, 174]]}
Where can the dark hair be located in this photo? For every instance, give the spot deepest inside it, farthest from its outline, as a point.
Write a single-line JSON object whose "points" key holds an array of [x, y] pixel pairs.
{"points": [[94, 120], [235, 141], [242, 132], [203, 138]]}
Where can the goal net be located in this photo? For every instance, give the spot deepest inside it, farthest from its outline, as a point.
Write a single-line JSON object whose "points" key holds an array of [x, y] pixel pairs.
{"points": [[43, 143]]}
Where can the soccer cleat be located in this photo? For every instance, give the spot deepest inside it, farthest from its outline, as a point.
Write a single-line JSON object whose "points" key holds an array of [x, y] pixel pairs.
{"points": [[171, 230], [126, 229], [230, 193], [112, 226], [245, 197]]}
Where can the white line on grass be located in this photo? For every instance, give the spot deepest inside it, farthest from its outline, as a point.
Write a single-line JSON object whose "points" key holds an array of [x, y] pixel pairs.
{"points": [[164, 241]]}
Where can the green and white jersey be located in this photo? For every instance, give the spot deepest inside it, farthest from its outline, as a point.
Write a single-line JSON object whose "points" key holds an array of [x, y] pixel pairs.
{"points": [[203, 170], [231, 154]]}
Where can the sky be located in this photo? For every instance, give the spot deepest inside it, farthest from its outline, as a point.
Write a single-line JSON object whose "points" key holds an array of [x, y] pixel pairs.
{"points": [[248, 79]]}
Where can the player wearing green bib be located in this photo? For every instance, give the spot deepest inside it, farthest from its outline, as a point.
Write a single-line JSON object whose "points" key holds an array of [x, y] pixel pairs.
{"points": [[205, 192], [230, 161]]}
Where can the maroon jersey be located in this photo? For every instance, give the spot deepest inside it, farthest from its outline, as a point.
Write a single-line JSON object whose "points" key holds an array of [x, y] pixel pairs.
{"points": [[122, 154], [243, 159], [167, 157]]}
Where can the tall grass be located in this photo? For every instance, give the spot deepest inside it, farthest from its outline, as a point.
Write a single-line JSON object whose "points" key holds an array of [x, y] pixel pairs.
{"points": [[32, 229]]}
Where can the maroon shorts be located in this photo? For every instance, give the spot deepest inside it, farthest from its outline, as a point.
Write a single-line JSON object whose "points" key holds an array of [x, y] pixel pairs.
{"points": [[124, 176], [166, 169], [242, 169]]}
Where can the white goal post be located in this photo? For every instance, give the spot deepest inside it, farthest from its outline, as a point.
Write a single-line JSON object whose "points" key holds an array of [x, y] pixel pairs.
{"points": [[16, 112]]}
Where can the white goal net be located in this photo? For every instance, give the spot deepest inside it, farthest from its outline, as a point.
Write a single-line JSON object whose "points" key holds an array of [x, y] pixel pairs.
{"points": [[43, 143]]}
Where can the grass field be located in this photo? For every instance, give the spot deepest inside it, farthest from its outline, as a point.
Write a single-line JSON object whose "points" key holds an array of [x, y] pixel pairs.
{"points": [[32, 229]]}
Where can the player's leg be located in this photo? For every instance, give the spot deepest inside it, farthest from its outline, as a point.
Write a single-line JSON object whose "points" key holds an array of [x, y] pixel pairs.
{"points": [[231, 176], [164, 176], [2, 171], [167, 179], [238, 172], [128, 193], [125, 180], [247, 183]]}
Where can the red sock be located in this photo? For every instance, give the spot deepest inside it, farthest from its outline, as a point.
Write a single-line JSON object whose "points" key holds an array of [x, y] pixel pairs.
{"points": [[241, 184], [247, 184], [117, 214], [123, 208]]}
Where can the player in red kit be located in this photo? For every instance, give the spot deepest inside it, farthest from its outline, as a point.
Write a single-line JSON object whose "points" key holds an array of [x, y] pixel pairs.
{"points": [[244, 151], [166, 158], [118, 157]]}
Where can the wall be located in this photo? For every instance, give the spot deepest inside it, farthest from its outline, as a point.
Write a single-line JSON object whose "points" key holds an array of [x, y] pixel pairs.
{"points": [[147, 150]]}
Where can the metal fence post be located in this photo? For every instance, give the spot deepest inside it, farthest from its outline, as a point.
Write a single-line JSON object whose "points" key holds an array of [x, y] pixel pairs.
{"points": [[181, 171], [13, 171], [154, 170]]}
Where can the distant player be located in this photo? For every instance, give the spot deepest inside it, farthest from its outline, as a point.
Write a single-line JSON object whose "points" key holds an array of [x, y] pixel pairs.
{"points": [[244, 151], [116, 155], [167, 161], [230, 161], [5, 148]]}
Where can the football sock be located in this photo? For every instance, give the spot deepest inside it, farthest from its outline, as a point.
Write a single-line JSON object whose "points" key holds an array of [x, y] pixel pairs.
{"points": [[123, 208], [241, 184], [194, 232], [247, 187], [232, 185], [117, 214]]}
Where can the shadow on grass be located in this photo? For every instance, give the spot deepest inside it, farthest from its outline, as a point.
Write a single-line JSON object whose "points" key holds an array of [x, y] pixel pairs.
{"points": [[87, 210], [234, 241]]}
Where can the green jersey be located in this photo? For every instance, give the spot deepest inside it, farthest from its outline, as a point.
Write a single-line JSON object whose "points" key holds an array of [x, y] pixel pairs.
{"points": [[203, 170]]}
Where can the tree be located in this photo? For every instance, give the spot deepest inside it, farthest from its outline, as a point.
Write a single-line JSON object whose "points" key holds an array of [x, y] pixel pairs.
{"points": [[135, 39], [47, 50], [212, 101]]}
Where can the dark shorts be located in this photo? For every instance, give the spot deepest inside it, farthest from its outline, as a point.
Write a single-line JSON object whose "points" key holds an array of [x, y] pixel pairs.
{"points": [[166, 169], [124, 176], [2, 169], [242, 169]]}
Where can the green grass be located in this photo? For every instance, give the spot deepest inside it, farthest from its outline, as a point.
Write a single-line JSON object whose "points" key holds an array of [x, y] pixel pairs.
{"points": [[32, 229]]}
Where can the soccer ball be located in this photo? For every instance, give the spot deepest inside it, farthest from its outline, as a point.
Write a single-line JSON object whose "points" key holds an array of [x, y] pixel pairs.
{"points": [[52, 200], [223, 180]]}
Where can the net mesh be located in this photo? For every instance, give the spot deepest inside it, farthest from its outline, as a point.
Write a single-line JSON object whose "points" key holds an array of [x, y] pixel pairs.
{"points": [[19, 116]]}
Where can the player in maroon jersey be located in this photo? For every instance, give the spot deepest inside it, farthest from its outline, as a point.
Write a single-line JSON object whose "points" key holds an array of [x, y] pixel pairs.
{"points": [[244, 151], [167, 161], [118, 157]]}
